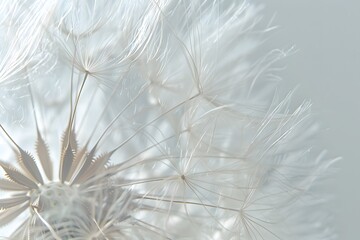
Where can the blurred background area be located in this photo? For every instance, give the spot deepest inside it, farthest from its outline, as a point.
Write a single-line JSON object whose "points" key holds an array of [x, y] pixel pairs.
{"points": [[326, 69]]}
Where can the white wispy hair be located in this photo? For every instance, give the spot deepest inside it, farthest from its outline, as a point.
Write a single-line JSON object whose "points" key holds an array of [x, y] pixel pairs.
{"points": [[150, 121]]}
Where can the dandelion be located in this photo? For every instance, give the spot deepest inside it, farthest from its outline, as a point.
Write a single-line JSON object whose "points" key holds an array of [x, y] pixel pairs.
{"points": [[150, 121]]}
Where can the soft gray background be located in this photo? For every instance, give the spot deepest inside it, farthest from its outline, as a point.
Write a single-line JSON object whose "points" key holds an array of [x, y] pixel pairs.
{"points": [[326, 69]]}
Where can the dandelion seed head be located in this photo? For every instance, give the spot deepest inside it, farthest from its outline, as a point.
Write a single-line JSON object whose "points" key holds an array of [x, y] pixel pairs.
{"points": [[149, 120]]}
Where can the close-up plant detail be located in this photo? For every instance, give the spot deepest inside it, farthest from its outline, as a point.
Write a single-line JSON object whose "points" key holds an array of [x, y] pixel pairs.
{"points": [[151, 119]]}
